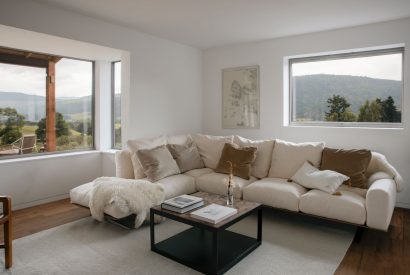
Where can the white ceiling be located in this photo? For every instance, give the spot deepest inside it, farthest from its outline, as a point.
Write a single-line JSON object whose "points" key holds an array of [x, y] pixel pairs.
{"points": [[211, 23]]}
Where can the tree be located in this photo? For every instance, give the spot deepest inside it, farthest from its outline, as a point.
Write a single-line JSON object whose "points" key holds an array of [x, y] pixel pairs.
{"points": [[339, 109], [60, 124], [84, 127], [389, 111], [14, 122], [370, 111]]}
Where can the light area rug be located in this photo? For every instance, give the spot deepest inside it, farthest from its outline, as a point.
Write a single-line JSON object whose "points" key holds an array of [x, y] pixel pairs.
{"points": [[291, 245]]}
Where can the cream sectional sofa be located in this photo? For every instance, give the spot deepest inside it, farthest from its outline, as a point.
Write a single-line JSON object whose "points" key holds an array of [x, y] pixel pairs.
{"points": [[372, 207]]}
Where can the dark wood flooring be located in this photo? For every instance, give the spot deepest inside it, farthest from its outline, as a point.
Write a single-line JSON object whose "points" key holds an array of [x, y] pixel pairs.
{"points": [[376, 253]]}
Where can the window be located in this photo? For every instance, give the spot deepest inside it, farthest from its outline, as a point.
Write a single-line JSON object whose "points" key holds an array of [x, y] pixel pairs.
{"points": [[353, 89], [46, 103], [116, 104]]}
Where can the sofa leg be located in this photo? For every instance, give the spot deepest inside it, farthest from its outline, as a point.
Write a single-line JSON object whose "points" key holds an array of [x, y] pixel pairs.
{"points": [[358, 235]]}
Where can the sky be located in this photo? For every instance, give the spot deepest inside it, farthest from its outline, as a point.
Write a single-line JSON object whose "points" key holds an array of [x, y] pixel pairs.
{"points": [[117, 77], [382, 66], [73, 79]]}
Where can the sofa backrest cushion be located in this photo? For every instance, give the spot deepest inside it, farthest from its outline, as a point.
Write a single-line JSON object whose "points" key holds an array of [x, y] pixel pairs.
{"points": [[261, 165], [180, 139], [123, 164], [287, 157], [187, 156], [210, 148], [142, 143], [352, 163], [157, 163]]}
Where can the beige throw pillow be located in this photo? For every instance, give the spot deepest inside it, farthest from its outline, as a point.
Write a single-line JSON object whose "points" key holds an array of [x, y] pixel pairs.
{"points": [[180, 139], [142, 143], [260, 167], [186, 156], [210, 148], [123, 164], [157, 163], [287, 157]]}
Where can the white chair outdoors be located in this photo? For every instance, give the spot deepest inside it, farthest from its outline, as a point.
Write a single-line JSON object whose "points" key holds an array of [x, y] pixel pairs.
{"points": [[24, 145]]}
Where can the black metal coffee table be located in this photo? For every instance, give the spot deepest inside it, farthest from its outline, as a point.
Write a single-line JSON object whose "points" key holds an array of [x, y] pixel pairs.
{"points": [[206, 247]]}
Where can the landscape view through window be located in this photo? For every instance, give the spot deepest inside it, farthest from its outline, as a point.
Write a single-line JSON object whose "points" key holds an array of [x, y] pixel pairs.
{"points": [[117, 105], [365, 89], [23, 106]]}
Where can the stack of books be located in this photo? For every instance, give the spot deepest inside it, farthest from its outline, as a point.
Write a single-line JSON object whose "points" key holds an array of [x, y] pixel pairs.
{"points": [[183, 203], [214, 213]]}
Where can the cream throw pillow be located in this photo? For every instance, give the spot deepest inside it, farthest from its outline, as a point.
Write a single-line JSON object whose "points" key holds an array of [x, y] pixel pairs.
{"points": [[287, 157], [260, 167], [157, 163], [142, 143], [313, 178], [210, 148]]}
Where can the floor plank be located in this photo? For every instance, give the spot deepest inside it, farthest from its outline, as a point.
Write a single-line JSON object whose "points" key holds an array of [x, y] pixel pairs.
{"points": [[377, 253], [381, 252], [41, 217]]}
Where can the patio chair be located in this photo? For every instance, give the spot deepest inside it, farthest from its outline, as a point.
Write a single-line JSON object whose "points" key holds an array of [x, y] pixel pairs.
{"points": [[24, 145], [5, 219]]}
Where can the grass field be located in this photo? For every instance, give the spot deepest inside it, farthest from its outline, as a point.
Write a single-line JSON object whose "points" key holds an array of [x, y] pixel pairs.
{"points": [[31, 130]]}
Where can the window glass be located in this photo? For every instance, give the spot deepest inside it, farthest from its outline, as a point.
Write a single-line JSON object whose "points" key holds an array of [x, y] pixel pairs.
{"points": [[34, 121], [360, 88], [117, 105]]}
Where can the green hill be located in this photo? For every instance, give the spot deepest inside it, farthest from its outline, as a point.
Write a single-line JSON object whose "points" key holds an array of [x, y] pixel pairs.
{"points": [[33, 107], [312, 92]]}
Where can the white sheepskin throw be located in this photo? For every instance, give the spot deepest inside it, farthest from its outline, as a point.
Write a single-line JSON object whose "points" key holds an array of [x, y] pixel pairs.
{"points": [[135, 196], [380, 168]]}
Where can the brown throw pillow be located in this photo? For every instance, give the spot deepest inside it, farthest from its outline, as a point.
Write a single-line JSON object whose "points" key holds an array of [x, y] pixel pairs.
{"points": [[241, 158], [186, 156], [352, 163]]}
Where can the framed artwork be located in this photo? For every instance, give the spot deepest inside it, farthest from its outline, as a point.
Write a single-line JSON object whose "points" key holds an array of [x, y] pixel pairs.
{"points": [[240, 98]]}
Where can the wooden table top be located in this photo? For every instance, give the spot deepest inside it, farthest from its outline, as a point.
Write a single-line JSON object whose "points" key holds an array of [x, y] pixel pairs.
{"points": [[243, 207]]}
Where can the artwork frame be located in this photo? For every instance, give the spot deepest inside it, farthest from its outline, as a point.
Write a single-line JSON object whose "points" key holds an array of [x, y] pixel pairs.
{"points": [[241, 98]]}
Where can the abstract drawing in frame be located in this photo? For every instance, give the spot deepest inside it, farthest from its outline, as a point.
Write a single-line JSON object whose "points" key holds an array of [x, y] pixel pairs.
{"points": [[240, 98]]}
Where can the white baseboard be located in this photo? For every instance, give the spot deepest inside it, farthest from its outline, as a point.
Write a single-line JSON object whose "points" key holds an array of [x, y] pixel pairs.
{"points": [[41, 201], [403, 205]]}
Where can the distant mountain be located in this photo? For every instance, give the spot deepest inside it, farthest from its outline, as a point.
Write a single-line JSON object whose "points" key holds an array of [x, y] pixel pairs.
{"points": [[312, 92], [33, 107]]}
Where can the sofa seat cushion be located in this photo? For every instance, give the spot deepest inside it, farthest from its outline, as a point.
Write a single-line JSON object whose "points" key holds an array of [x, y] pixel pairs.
{"points": [[177, 185], [198, 172], [81, 195], [173, 186], [360, 191], [349, 207], [215, 183], [275, 192]]}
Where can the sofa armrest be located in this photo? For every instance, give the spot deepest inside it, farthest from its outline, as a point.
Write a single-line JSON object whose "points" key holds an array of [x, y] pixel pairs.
{"points": [[380, 202]]}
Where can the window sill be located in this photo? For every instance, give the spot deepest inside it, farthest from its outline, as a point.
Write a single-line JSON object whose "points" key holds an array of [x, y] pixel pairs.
{"points": [[110, 151], [50, 156], [364, 126]]}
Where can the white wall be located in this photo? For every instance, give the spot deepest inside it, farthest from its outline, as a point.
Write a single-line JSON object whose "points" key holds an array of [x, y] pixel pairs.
{"points": [[37, 180], [165, 95], [269, 55]]}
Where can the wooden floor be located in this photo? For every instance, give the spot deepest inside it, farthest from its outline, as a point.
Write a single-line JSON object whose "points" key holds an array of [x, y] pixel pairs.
{"points": [[377, 253]]}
